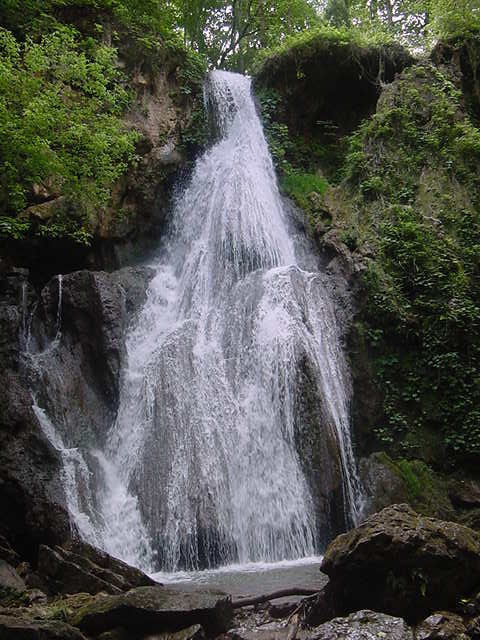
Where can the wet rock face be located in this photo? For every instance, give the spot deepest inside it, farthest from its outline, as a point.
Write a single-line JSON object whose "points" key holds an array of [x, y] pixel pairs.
{"points": [[400, 563], [78, 567], [31, 495], [382, 486], [78, 381], [319, 452]]}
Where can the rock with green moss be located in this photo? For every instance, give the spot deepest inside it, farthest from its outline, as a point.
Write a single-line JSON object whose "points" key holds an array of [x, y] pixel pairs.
{"points": [[389, 481], [400, 563], [155, 609]]}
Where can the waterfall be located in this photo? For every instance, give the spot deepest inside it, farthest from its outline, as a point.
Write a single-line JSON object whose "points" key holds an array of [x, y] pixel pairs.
{"points": [[201, 466], [76, 474]]}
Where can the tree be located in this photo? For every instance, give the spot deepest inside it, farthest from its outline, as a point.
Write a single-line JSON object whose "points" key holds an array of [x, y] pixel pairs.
{"points": [[231, 33], [454, 17]]}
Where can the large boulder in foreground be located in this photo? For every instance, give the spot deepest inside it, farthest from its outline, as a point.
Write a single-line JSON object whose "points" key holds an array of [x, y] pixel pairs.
{"points": [[400, 563], [155, 609]]}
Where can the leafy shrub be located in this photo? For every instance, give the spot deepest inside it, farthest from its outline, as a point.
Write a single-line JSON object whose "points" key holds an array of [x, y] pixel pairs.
{"points": [[60, 125]]}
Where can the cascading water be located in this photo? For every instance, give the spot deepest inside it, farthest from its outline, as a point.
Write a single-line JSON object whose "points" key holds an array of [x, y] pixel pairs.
{"points": [[75, 472], [201, 466]]}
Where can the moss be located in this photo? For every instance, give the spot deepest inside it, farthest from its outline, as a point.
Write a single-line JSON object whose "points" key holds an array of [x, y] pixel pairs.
{"points": [[413, 173], [11, 599], [426, 490], [314, 42]]}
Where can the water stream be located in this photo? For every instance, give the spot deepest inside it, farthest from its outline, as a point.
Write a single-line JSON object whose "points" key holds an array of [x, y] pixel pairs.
{"points": [[205, 434], [201, 467]]}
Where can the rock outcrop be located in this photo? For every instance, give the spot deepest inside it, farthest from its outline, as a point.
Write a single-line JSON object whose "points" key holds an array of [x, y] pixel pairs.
{"points": [[79, 567], [349, 77], [154, 609], [400, 563], [14, 627], [74, 376], [79, 380]]}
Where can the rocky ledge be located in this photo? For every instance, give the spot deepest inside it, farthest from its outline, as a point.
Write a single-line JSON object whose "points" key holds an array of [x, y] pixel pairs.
{"points": [[399, 575]]}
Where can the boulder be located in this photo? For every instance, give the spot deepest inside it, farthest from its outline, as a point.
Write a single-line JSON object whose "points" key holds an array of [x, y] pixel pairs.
{"points": [[363, 625], [19, 628], [465, 493], [441, 626], [10, 581], [154, 610], [473, 628], [383, 486], [387, 481], [400, 563], [83, 568]]}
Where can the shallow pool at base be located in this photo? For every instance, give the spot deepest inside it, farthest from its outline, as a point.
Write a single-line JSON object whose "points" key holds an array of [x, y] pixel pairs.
{"points": [[253, 578]]}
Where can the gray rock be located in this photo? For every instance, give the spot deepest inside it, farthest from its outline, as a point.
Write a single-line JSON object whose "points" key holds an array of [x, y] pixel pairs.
{"points": [[31, 493], [441, 626], [18, 628], [194, 632], [86, 569], [382, 486], [465, 493], [263, 634], [10, 581], [400, 563], [36, 596], [79, 381], [105, 566], [155, 610], [64, 576], [363, 625]]}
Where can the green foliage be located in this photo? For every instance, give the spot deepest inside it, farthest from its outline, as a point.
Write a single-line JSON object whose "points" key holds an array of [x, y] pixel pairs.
{"points": [[304, 189], [60, 127], [231, 34], [452, 18], [318, 40], [416, 164]]}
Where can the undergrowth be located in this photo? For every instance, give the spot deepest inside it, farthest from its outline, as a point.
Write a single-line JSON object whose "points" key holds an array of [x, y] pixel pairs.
{"points": [[415, 169]]}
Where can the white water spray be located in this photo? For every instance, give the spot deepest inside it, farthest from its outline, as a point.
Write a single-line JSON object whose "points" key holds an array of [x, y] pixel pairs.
{"points": [[206, 429]]}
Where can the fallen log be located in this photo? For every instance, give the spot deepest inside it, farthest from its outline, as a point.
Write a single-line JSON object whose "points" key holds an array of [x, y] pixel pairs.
{"points": [[274, 595]]}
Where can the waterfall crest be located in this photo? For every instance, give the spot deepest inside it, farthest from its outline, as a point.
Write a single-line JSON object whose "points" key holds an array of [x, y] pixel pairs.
{"points": [[206, 429]]}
